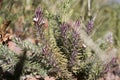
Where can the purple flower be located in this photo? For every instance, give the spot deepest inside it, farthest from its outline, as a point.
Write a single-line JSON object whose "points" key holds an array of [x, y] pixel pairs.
{"points": [[63, 30], [39, 21], [38, 18], [75, 35], [75, 39], [90, 26]]}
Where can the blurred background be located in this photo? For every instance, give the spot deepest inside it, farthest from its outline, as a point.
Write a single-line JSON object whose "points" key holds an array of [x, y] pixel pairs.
{"points": [[21, 14]]}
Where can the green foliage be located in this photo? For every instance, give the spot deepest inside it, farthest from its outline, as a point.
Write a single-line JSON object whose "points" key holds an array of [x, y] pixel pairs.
{"points": [[34, 68], [8, 59], [64, 55]]}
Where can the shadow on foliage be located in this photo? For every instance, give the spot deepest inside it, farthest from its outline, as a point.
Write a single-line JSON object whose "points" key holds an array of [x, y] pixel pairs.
{"points": [[16, 73]]}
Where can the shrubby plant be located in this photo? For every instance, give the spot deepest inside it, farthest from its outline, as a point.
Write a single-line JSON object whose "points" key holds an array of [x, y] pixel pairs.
{"points": [[64, 39]]}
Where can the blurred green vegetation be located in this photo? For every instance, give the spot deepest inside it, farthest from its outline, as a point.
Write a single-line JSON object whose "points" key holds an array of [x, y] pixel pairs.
{"points": [[107, 14], [21, 13]]}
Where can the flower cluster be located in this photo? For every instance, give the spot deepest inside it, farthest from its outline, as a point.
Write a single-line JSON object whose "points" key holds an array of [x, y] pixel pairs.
{"points": [[63, 29], [39, 21], [49, 58], [38, 18], [90, 26], [75, 38]]}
